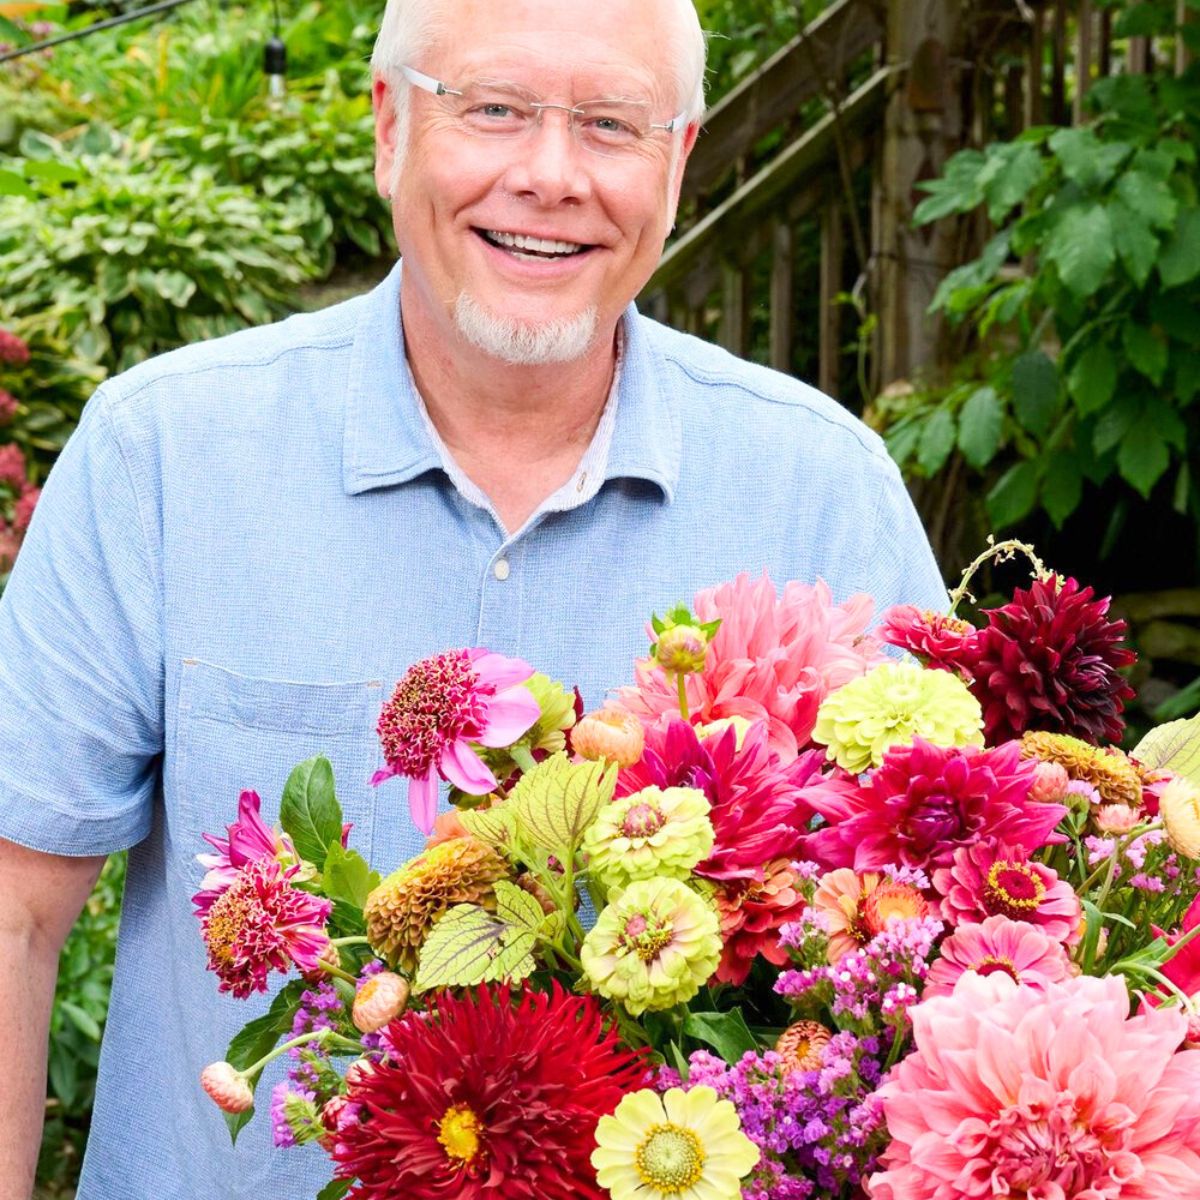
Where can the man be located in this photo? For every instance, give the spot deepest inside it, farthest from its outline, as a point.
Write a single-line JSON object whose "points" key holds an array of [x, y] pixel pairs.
{"points": [[247, 542]]}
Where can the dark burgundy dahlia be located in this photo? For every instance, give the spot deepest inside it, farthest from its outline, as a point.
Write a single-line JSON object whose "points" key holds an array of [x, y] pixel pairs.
{"points": [[1049, 660]]}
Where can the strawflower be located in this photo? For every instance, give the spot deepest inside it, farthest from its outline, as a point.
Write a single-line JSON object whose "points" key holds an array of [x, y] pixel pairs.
{"points": [[653, 946], [891, 705], [440, 707], [998, 946], [486, 1097], [1055, 1094], [648, 833], [775, 657], [611, 733], [684, 1143]]}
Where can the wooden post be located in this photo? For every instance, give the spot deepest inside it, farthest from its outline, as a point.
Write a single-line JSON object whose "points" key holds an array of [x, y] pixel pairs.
{"points": [[783, 251], [829, 352], [1138, 62], [734, 334], [1034, 105], [1058, 77], [922, 128], [1105, 59], [1083, 57]]}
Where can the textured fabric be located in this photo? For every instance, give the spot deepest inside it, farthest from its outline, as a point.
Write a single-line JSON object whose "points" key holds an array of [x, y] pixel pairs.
{"points": [[243, 547]]}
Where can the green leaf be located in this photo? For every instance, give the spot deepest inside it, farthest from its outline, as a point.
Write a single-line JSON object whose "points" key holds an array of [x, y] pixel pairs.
{"points": [[496, 825], [257, 1038], [979, 427], [1115, 422], [12, 184], [1035, 392], [1143, 457], [1085, 159], [1143, 20], [675, 1059], [1012, 171], [1080, 245], [517, 908], [1187, 377], [937, 440], [1014, 494], [347, 875], [469, 945], [958, 190], [236, 1122], [726, 1032], [83, 1021], [1093, 378], [903, 437], [335, 1189], [1135, 242], [1179, 262], [1149, 196], [556, 802], [1173, 747], [175, 287], [1062, 488], [1147, 351], [309, 811]]}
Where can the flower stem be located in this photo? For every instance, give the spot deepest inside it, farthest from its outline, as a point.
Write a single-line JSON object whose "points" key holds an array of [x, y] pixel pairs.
{"points": [[996, 552], [336, 972], [349, 941], [522, 757], [681, 682], [318, 1035]]}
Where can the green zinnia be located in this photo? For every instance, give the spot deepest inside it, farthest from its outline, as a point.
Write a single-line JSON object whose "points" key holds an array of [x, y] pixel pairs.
{"points": [[648, 833], [653, 946], [889, 706]]}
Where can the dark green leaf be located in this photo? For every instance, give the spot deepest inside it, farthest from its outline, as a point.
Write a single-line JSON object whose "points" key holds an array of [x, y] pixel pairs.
{"points": [[1143, 457], [675, 1059], [902, 439], [1080, 244], [958, 190], [1114, 422], [1148, 196], [258, 1037], [1012, 171], [1179, 261], [309, 811], [1093, 378], [335, 1189], [1085, 159], [1062, 488], [979, 426], [1147, 351], [1014, 495], [1187, 377], [1135, 242], [937, 440], [347, 875], [1035, 392], [236, 1122], [84, 1022], [1143, 20], [727, 1033]]}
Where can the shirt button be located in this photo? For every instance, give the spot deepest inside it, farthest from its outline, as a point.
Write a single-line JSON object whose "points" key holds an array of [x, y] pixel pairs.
{"points": [[500, 570]]}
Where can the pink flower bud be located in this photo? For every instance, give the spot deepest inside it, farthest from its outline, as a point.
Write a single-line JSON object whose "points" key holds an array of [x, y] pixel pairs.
{"points": [[227, 1087], [359, 1071], [1050, 782], [1116, 818], [610, 733], [381, 999]]}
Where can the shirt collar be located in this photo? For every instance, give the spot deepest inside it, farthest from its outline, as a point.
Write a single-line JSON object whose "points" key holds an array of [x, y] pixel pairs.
{"points": [[387, 442]]}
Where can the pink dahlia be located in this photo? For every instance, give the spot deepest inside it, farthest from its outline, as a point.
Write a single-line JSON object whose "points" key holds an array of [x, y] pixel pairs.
{"points": [[923, 802], [993, 879], [438, 709], [259, 924], [757, 810], [935, 639], [1058, 1094], [1183, 968], [998, 946], [774, 659], [249, 839]]}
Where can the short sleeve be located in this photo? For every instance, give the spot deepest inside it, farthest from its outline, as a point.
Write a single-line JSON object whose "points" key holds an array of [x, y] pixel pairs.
{"points": [[81, 676], [902, 569]]}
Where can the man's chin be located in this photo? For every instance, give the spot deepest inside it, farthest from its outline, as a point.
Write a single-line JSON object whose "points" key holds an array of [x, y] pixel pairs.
{"points": [[523, 343]]}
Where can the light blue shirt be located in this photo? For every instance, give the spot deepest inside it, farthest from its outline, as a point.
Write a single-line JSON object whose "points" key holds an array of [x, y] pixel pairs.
{"points": [[248, 541]]}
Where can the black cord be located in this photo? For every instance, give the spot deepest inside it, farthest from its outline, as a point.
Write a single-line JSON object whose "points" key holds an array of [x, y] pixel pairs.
{"points": [[75, 35]]}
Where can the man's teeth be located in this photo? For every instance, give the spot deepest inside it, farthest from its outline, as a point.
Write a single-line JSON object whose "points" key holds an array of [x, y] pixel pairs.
{"points": [[520, 241]]}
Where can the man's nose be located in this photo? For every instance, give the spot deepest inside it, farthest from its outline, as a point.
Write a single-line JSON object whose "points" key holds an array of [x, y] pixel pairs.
{"points": [[550, 165]]}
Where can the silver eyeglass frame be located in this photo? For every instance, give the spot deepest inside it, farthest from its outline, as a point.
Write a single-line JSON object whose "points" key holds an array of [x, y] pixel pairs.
{"points": [[437, 88]]}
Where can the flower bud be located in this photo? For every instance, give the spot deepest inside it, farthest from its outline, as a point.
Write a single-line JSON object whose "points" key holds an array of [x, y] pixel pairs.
{"points": [[381, 999], [1050, 782], [318, 974], [1179, 808], [227, 1087], [681, 649], [1115, 818], [331, 1110], [802, 1045], [612, 734]]}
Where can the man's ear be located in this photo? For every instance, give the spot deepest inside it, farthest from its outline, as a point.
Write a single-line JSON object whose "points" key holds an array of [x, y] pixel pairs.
{"points": [[680, 165], [382, 100]]}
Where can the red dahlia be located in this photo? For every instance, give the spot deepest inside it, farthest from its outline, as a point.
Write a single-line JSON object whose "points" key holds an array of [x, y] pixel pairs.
{"points": [[1049, 661], [487, 1099]]}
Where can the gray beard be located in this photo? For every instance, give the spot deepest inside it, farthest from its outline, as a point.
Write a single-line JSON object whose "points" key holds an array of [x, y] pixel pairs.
{"points": [[520, 344]]}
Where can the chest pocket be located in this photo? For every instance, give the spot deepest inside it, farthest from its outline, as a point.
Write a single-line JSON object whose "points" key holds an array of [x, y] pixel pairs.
{"points": [[237, 731]]}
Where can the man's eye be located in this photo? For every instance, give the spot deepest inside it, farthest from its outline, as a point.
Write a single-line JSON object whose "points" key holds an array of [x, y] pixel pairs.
{"points": [[499, 111], [612, 127]]}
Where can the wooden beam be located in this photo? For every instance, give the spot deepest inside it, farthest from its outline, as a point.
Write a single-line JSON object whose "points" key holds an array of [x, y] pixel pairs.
{"points": [[1034, 103], [773, 93], [734, 334], [783, 254], [829, 351], [1086, 32], [1058, 76]]}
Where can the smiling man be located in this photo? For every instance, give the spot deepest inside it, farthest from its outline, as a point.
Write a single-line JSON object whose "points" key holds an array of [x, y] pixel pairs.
{"points": [[247, 542]]}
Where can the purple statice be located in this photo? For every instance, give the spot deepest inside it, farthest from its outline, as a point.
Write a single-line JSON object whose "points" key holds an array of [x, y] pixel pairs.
{"points": [[812, 926], [912, 876], [818, 1131], [320, 1008]]}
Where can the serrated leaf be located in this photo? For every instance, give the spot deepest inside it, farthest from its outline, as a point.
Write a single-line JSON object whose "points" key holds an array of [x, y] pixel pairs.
{"points": [[727, 1033], [347, 875], [1014, 494], [1147, 351], [1035, 392], [1143, 457], [1179, 261], [1148, 195], [1173, 747], [516, 907], [470, 945], [1085, 159], [556, 802], [1080, 245], [980, 424], [309, 811], [1018, 168], [937, 440], [495, 825], [1135, 242], [1093, 378]]}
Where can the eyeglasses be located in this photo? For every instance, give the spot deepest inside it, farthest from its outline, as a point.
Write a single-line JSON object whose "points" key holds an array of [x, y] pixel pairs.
{"points": [[613, 128]]}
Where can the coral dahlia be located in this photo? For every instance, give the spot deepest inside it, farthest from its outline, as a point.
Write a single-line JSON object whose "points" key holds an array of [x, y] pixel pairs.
{"points": [[1058, 1094], [923, 802], [934, 639], [751, 913], [774, 658], [856, 907], [441, 706], [1050, 660], [487, 1097], [999, 946]]}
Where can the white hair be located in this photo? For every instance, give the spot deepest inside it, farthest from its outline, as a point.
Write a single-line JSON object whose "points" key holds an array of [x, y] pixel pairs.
{"points": [[521, 343], [410, 27]]}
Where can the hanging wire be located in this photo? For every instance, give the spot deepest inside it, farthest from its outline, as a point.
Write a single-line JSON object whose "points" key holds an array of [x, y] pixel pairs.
{"points": [[75, 35]]}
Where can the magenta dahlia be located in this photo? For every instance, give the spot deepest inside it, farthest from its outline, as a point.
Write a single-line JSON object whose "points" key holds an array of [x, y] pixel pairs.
{"points": [[990, 879], [998, 946], [248, 839], [487, 1097], [1049, 660], [923, 802], [774, 658], [934, 639], [1058, 1094], [441, 706]]}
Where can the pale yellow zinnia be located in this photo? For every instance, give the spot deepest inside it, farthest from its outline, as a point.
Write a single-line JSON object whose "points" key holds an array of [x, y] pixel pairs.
{"points": [[686, 1143]]}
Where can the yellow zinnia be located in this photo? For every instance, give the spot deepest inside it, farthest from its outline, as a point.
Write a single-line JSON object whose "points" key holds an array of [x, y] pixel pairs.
{"points": [[684, 1143]]}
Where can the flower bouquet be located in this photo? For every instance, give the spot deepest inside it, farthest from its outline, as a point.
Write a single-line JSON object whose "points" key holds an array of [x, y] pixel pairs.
{"points": [[802, 911]]}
